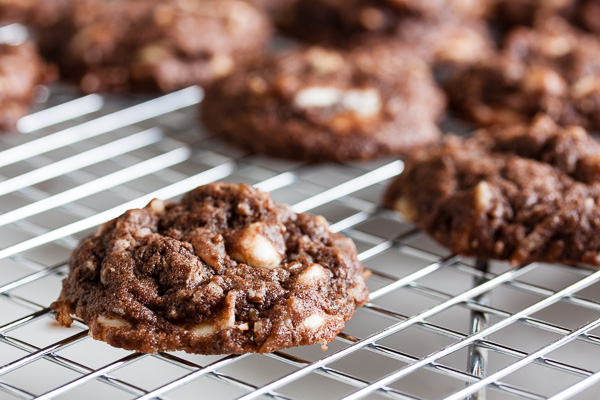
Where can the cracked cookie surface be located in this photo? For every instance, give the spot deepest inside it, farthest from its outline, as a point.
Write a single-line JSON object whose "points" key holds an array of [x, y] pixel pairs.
{"points": [[321, 104], [581, 13], [522, 193], [152, 45], [439, 31], [226, 270], [552, 68]]}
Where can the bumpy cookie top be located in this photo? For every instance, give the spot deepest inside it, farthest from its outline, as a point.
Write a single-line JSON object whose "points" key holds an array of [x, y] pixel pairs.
{"points": [[154, 44], [523, 193], [325, 104], [227, 270], [440, 31], [581, 13], [552, 68], [21, 71]]}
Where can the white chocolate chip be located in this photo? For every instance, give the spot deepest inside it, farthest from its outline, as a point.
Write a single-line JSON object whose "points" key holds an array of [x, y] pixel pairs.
{"points": [[258, 326], [406, 208], [204, 329], [89, 265], [158, 206], [153, 54], [483, 196], [364, 102], [254, 249], [225, 319], [311, 275], [577, 132], [585, 86], [318, 97], [221, 65], [315, 321], [325, 61], [544, 80], [121, 245], [257, 84], [461, 46], [556, 46], [144, 232], [589, 203], [215, 289], [112, 322], [257, 295]]}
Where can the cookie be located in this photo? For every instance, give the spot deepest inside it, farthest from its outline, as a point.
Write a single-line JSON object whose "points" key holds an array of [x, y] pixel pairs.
{"points": [[524, 12], [589, 15], [151, 45], [522, 193], [274, 8], [226, 270], [21, 72], [431, 27], [33, 12], [584, 14], [447, 42], [553, 68], [321, 104]]}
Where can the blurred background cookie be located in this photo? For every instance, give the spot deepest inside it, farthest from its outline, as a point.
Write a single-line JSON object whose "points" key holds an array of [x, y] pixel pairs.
{"points": [[323, 104], [552, 68], [435, 28], [21, 71], [153, 44]]}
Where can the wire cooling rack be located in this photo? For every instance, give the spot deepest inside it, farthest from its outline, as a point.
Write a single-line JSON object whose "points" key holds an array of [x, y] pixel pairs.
{"points": [[437, 326]]}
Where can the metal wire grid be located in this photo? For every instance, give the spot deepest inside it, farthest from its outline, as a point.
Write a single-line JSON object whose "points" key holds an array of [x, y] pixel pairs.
{"points": [[436, 326]]}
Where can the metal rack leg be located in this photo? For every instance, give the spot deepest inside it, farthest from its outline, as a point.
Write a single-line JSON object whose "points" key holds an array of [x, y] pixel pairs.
{"points": [[477, 357]]}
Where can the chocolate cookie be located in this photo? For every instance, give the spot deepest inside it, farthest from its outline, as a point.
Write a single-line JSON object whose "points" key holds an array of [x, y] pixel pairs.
{"points": [[227, 270], [21, 71], [431, 27], [34, 12], [153, 44], [589, 15], [554, 69], [582, 13], [522, 193], [318, 104], [524, 12]]}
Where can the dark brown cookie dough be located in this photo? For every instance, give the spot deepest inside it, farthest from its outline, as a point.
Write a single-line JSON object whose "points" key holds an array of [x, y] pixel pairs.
{"points": [[21, 71], [34, 12], [584, 14], [154, 44], [227, 270], [521, 193], [320, 104], [432, 28], [554, 69], [275, 8], [589, 15], [447, 42], [524, 12]]}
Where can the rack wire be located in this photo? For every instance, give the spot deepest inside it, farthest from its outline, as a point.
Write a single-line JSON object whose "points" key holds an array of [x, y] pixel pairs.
{"points": [[437, 326]]}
